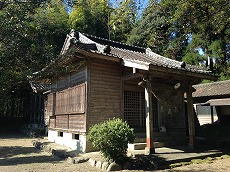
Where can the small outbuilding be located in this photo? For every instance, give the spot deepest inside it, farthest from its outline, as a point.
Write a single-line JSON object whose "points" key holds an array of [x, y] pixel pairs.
{"points": [[97, 79], [212, 102]]}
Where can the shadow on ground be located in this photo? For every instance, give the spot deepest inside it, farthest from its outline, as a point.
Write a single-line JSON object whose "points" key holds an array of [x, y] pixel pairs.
{"points": [[163, 160], [28, 160], [14, 152]]}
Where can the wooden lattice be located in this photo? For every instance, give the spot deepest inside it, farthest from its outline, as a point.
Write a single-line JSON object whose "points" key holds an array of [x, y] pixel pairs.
{"points": [[134, 109]]}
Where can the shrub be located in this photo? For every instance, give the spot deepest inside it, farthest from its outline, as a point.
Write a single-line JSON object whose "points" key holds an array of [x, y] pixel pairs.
{"points": [[111, 138]]}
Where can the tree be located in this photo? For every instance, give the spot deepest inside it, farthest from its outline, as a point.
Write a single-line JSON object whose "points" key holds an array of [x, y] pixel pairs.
{"points": [[122, 20], [179, 29], [208, 21], [103, 18], [90, 16], [32, 33]]}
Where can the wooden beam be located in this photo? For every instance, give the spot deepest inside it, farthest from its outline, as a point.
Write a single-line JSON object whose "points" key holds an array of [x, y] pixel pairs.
{"points": [[182, 72], [131, 76], [191, 122], [137, 65], [149, 119]]}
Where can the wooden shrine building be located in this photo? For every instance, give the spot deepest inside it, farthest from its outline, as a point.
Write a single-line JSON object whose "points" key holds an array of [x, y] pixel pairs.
{"points": [[96, 79]]}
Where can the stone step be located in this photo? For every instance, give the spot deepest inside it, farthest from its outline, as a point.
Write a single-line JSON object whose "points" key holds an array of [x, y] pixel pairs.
{"points": [[155, 134], [156, 138], [136, 146], [142, 145]]}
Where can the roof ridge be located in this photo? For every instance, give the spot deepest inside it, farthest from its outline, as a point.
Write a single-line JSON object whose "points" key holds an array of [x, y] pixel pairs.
{"points": [[130, 47]]}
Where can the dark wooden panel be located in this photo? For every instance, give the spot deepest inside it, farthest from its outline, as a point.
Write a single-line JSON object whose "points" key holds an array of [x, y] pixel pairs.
{"points": [[62, 121], [77, 123]]}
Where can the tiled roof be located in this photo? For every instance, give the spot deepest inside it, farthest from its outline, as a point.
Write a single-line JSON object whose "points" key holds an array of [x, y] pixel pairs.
{"points": [[126, 52], [154, 59], [39, 87], [212, 89]]}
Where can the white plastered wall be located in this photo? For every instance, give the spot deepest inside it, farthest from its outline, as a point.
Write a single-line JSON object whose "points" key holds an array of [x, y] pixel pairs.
{"points": [[68, 140]]}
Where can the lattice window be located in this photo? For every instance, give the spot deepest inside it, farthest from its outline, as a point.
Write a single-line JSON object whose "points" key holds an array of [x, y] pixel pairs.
{"points": [[134, 109], [71, 100]]}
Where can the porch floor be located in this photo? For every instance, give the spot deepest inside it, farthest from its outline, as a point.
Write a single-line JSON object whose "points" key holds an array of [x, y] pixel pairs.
{"points": [[177, 153]]}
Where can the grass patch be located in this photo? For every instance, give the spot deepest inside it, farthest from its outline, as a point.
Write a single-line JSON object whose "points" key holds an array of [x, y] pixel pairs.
{"points": [[196, 161], [225, 156]]}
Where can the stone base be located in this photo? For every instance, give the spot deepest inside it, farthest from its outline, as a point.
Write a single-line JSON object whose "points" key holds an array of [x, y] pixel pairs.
{"points": [[149, 151]]}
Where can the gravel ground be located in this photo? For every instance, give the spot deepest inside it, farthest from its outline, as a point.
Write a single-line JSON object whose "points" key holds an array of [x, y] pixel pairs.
{"points": [[17, 154]]}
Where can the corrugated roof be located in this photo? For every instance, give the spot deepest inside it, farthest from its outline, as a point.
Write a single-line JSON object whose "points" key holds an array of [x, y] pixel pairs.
{"points": [[212, 89]]}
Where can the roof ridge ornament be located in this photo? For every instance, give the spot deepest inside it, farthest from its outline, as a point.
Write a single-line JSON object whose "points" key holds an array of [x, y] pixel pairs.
{"points": [[183, 65], [107, 49]]}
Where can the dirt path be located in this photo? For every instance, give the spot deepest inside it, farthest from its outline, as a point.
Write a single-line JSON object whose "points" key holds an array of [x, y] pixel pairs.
{"points": [[17, 154]]}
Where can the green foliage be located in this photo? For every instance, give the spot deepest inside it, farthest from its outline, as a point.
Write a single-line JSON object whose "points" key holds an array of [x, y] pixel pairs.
{"points": [[32, 33], [111, 138], [103, 19], [177, 29], [90, 16], [122, 20]]}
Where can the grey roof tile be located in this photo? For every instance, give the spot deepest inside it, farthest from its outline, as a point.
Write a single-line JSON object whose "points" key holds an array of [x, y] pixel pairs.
{"points": [[131, 53], [212, 89]]}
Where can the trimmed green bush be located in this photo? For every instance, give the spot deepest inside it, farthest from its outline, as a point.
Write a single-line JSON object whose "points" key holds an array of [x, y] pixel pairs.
{"points": [[111, 138]]}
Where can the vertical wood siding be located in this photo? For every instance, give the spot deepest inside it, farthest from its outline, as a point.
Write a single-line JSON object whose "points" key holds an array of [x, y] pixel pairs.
{"points": [[62, 121], [68, 105], [105, 94], [71, 100], [49, 106], [52, 122], [77, 122]]}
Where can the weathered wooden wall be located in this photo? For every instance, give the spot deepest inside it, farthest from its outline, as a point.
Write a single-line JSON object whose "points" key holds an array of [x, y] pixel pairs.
{"points": [[172, 113], [66, 105], [105, 93]]}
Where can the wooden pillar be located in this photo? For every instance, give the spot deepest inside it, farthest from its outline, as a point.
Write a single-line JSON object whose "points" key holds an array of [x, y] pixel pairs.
{"points": [[35, 108], [149, 119], [54, 108], [212, 117], [191, 122]]}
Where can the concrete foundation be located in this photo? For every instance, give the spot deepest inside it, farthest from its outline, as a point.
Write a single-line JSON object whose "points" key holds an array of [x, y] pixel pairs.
{"points": [[73, 141]]}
